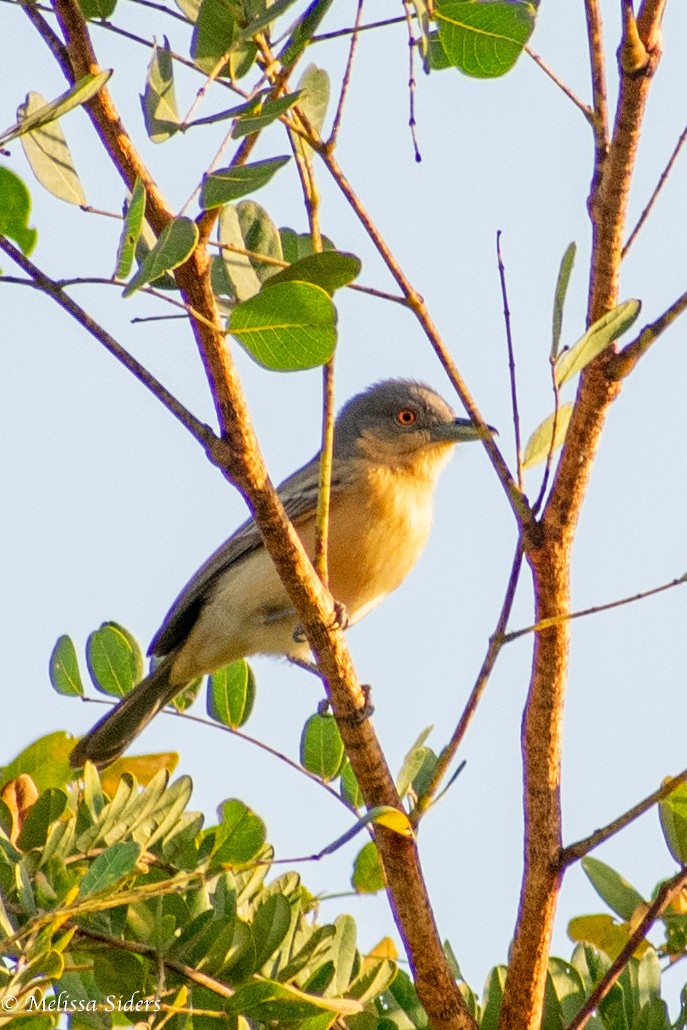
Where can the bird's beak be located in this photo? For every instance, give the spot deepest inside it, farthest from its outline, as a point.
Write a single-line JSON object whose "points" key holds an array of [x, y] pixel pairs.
{"points": [[460, 430]]}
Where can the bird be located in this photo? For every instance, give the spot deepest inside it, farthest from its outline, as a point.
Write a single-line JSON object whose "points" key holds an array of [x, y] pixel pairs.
{"points": [[391, 442]]}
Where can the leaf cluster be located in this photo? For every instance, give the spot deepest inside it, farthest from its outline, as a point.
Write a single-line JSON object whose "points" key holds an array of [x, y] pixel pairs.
{"points": [[121, 895]]}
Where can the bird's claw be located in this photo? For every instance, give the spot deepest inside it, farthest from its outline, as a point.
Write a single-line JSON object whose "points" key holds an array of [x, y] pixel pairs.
{"points": [[339, 621], [356, 717]]}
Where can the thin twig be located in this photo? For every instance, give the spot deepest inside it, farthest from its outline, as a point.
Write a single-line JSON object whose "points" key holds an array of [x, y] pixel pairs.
{"points": [[541, 63], [179, 58], [598, 69], [624, 362], [57, 48], [164, 10], [665, 895], [552, 445], [267, 259], [654, 196], [52, 289], [202, 721], [89, 210], [417, 305], [511, 360], [345, 82], [557, 620], [496, 642], [147, 951], [573, 852], [412, 43], [362, 28]]}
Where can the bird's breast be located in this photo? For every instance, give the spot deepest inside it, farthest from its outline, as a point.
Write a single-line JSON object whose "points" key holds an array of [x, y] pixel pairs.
{"points": [[377, 533]]}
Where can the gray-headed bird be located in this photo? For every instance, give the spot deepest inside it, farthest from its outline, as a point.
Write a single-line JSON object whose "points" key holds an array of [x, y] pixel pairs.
{"points": [[390, 444]]}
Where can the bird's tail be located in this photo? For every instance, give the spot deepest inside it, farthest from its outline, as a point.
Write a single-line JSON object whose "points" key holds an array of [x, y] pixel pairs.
{"points": [[120, 727]]}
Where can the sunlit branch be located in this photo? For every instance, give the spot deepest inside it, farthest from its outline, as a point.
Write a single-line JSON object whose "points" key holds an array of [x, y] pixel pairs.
{"points": [[580, 104], [322, 36], [417, 305], [654, 196], [573, 852], [557, 620], [511, 360], [412, 84], [53, 290], [665, 895], [624, 362], [496, 642]]}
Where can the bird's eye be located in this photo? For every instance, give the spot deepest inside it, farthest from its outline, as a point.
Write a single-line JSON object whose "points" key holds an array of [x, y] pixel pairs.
{"points": [[406, 416]]}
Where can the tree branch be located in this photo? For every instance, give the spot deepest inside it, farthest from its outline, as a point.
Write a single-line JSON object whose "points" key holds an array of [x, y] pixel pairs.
{"points": [[496, 642], [623, 363], [666, 893], [239, 457], [549, 555], [573, 852], [55, 291]]}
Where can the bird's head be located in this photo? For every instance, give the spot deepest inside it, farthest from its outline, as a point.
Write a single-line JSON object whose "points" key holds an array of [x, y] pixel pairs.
{"points": [[399, 422]]}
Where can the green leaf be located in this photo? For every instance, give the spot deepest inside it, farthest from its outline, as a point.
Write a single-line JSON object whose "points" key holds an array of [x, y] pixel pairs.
{"points": [[315, 89], [373, 981], [673, 816], [15, 208], [231, 183], [304, 30], [484, 39], [436, 59], [159, 100], [566, 984], [299, 245], [119, 974], [216, 37], [492, 998], [602, 931], [131, 230], [43, 813], [114, 660], [63, 668], [263, 115], [598, 337], [231, 694], [243, 834], [330, 269], [652, 1016], [97, 9], [46, 761], [260, 235], [176, 243], [368, 877], [350, 791], [567, 262], [79, 93], [322, 749], [615, 890], [287, 327], [268, 1002], [110, 867], [413, 762], [403, 996], [47, 152], [243, 278], [540, 443], [270, 926]]}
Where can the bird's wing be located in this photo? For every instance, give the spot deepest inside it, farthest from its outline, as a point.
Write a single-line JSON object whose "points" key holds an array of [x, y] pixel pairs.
{"points": [[298, 494]]}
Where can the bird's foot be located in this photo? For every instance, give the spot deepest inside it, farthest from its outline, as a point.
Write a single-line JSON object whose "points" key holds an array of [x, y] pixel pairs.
{"points": [[359, 715], [339, 621]]}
